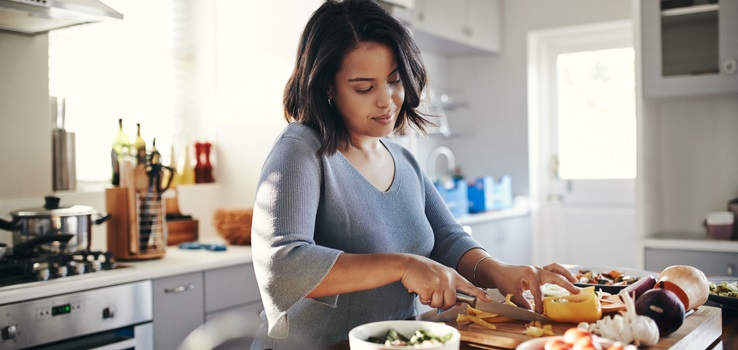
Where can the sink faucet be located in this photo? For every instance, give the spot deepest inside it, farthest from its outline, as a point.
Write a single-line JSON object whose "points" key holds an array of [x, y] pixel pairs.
{"points": [[433, 156]]}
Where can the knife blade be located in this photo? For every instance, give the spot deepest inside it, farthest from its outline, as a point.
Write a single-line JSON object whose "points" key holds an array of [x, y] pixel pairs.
{"points": [[498, 306]]}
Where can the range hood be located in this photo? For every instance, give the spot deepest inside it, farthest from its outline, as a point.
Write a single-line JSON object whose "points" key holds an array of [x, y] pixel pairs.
{"points": [[40, 16]]}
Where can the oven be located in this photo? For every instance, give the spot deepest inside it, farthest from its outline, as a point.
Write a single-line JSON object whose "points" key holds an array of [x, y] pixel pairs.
{"points": [[112, 318]]}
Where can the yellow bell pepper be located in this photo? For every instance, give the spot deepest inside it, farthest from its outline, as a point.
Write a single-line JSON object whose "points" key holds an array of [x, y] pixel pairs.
{"points": [[575, 308]]}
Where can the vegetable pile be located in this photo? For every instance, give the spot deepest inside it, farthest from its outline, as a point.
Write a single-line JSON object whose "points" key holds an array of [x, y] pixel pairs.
{"points": [[628, 328], [724, 289], [422, 338], [611, 278], [654, 308]]}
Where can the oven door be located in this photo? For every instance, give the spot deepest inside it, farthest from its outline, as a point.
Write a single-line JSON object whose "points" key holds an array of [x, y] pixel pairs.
{"points": [[114, 317], [139, 337]]}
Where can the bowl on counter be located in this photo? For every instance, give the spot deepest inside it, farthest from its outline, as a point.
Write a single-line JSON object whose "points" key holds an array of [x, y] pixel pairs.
{"points": [[359, 335]]}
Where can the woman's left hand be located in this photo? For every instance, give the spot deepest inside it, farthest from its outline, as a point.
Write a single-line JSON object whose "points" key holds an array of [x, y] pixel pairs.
{"points": [[515, 279]]}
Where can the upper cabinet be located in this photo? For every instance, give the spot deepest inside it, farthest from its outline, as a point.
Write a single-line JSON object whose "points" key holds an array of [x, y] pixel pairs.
{"points": [[689, 47], [457, 27]]}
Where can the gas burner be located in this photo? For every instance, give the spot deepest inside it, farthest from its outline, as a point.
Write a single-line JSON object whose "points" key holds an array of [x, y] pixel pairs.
{"points": [[42, 267]]}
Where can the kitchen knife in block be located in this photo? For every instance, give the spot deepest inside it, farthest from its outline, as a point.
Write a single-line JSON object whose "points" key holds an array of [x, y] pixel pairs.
{"points": [[498, 306]]}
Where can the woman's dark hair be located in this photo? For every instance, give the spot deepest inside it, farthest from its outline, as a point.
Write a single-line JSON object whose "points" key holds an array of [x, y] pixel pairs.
{"points": [[333, 30]]}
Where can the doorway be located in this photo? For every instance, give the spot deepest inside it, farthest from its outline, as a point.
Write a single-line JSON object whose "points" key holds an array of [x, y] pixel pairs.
{"points": [[582, 142]]}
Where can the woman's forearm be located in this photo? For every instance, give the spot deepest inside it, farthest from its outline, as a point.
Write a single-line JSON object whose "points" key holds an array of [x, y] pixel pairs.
{"points": [[482, 261], [357, 272]]}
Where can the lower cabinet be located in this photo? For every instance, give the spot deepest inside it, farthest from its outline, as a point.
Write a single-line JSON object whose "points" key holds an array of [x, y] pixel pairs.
{"points": [[183, 303], [711, 263], [178, 308]]}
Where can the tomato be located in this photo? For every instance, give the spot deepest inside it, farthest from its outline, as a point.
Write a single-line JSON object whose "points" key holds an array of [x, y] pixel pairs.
{"points": [[588, 342], [572, 335], [556, 344]]}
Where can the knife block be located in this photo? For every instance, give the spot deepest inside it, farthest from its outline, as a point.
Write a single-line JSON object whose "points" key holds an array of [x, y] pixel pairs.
{"points": [[136, 229]]}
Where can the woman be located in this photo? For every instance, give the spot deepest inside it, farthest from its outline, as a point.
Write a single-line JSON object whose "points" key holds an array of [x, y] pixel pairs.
{"points": [[347, 229]]}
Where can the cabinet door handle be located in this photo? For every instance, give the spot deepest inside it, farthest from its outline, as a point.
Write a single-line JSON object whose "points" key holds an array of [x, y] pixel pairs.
{"points": [[729, 270], [180, 289]]}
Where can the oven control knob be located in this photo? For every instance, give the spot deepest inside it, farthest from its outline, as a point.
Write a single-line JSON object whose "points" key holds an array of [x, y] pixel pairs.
{"points": [[8, 332], [108, 312]]}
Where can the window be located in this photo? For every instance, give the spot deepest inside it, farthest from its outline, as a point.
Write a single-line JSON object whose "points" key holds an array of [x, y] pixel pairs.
{"points": [[136, 69], [596, 114]]}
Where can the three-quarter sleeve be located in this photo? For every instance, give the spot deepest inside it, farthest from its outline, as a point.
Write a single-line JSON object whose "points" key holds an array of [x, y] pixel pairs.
{"points": [[287, 261]]}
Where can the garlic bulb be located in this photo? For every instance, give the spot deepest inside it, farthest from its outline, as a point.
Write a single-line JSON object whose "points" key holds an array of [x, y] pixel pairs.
{"points": [[630, 328], [644, 330], [616, 328]]}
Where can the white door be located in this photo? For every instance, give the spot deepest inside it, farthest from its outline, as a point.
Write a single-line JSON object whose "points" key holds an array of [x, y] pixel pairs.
{"points": [[583, 145]]}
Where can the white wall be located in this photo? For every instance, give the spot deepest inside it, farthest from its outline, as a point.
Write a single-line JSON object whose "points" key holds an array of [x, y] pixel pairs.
{"points": [[495, 86], [246, 52]]}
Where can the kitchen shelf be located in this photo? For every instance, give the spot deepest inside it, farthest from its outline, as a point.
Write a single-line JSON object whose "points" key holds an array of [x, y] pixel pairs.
{"points": [[689, 241], [691, 10]]}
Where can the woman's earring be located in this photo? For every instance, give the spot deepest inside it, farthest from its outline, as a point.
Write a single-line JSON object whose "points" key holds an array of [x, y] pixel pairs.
{"points": [[330, 101]]}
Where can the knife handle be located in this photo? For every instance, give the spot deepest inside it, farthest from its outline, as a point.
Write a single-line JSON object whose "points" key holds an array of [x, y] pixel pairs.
{"points": [[461, 297]]}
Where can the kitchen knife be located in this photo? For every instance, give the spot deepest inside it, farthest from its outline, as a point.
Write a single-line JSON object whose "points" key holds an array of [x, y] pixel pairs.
{"points": [[498, 306]]}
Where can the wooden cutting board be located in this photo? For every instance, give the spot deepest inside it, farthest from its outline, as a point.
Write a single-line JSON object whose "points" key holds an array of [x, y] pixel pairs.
{"points": [[700, 330]]}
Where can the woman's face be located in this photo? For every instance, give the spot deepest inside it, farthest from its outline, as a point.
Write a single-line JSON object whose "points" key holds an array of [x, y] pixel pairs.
{"points": [[367, 90]]}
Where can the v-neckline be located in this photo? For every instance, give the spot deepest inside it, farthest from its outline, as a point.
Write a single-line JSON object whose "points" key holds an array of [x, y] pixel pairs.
{"points": [[365, 180]]}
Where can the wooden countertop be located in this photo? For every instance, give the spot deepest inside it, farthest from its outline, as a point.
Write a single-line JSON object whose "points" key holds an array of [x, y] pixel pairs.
{"points": [[700, 330], [703, 329]]}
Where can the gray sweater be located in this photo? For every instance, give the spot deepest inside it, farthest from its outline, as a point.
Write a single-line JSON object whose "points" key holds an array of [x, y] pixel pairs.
{"points": [[309, 209]]}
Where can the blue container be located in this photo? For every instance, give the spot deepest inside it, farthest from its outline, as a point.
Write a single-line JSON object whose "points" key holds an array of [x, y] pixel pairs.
{"points": [[502, 197], [454, 193], [480, 194], [485, 194]]}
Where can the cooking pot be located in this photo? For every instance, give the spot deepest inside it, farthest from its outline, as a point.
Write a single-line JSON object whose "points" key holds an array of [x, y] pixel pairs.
{"points": [[54, 220]]}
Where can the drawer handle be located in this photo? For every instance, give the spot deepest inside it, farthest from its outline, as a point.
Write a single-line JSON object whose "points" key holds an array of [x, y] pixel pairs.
{"points": [[180, 289], [729, 269]]}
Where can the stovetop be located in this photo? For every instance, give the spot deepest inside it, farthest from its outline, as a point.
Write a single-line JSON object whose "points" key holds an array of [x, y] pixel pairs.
{"points": [[41, 267]]}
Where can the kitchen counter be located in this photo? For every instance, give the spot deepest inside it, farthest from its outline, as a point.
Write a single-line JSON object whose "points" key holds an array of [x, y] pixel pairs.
{"points": [[521, 207], [175, 262], [690, 242]]}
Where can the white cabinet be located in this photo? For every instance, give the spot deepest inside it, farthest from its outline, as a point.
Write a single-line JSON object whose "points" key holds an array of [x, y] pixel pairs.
{"points": [[689, 50], [178, 308], [711, 263], [506, 239], [457, 27], [183, 302], [230, 288]]}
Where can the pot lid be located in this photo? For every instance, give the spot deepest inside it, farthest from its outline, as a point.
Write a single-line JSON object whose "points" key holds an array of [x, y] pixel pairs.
{"points": [[52, 208]]}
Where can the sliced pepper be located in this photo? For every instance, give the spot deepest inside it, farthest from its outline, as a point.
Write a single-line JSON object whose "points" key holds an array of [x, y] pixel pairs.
{"points": [[575, 308]]}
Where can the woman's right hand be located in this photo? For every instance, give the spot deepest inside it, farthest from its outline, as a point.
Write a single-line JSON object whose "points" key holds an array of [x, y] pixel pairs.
{"points": [[436, 284]]}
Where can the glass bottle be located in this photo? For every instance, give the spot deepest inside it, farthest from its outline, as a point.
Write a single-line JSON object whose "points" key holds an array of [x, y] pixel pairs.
{"points": [[199, 163], [140, 147], [207, 167], [121, 143], [186, 172]]}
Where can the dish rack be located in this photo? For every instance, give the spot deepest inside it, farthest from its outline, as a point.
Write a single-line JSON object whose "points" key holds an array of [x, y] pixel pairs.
{"points": [[136, 229]]}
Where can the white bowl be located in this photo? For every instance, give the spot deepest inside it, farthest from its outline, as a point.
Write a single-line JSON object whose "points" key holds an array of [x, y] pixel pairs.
{"points": [[359, 335], [540, 343]]}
